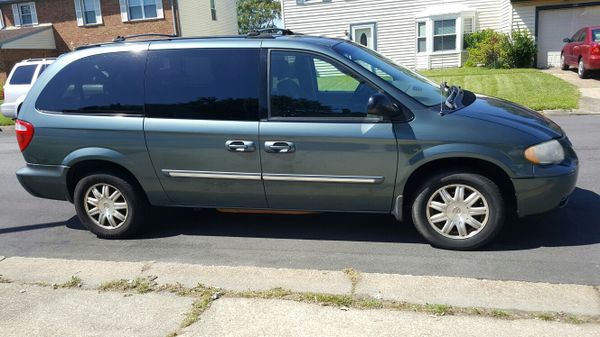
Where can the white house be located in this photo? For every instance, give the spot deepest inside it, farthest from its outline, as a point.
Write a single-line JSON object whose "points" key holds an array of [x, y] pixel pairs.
{"points": [[193, 20], [426, 34]]}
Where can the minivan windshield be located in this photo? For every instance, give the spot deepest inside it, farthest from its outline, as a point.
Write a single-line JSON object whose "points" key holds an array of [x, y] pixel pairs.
{"points": [[418, 87]]}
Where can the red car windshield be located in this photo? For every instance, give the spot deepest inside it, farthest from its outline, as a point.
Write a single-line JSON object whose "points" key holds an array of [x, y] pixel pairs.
{"points": [[596, 35]]}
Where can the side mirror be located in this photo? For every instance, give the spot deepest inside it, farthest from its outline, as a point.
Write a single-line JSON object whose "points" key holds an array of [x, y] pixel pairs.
{"points": [[567, 40], [381, 105]]}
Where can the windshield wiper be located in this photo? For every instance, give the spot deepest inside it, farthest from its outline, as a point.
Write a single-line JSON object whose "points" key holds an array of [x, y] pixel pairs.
{"points": [[455, 96]]}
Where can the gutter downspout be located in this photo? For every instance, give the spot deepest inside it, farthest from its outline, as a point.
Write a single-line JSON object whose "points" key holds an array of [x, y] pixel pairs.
{"points": [[175, 13]]}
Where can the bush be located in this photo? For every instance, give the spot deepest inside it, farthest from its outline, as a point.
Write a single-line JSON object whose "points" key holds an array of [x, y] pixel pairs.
{"points": [[486, 48], [520, 50], [496, 50]]}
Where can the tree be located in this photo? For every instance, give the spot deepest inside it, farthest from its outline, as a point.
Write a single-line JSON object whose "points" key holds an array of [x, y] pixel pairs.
{"points": [[257, 14]]}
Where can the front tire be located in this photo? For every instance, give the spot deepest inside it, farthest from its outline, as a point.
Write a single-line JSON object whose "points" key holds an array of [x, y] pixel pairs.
{"points": [[563, 64], [458, 210], [109, 206]]}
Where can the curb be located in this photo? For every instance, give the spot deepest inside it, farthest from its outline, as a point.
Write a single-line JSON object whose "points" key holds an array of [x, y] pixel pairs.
{"points": [[454, 291]]}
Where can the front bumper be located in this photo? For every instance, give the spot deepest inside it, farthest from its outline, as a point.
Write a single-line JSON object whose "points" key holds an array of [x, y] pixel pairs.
{"points": [[9, 110], [45, 181], [542, 194]]}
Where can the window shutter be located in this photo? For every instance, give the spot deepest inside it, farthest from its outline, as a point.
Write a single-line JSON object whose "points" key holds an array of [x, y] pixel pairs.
{"points": [[78, 13], [98, 9], [33, 13], [468, 26], [159, 9], [124, 12], [16, 16]]}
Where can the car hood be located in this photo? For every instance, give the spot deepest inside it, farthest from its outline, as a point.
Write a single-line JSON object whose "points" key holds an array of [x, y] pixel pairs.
{"points": [[512, 115]]}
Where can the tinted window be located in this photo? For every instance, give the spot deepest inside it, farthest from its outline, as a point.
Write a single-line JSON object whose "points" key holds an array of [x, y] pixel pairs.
{"points": [[105, 83], [42, 68], [596, 35], [583, 36], [23, 74], [303, 85], [218, 84]]}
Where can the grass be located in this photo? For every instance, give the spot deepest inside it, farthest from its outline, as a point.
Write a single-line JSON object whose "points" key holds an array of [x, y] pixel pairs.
{"points": [[529, 87], [139, 285]]}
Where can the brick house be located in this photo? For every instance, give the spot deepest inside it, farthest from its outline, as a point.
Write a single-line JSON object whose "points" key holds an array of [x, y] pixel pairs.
{"points": [[41, 28]]}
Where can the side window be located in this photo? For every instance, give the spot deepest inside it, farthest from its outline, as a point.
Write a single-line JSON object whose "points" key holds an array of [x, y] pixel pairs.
{"points": [[217, 84], [576, 36], [23, 74], [583, 36], [42, 68], [303, 85], [105, 83]]}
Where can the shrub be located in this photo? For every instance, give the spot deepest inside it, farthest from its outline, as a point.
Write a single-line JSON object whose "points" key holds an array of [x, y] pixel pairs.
{"points": [[520, 50], [496, 50], [486, 48]]}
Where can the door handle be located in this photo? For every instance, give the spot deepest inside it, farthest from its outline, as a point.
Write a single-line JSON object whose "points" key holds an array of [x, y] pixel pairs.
{"points": [[280, 147], [240, 146]]}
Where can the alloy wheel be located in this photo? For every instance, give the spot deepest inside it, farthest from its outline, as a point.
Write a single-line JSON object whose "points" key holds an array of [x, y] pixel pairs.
{"points": [[106, 206], [457, 211]]}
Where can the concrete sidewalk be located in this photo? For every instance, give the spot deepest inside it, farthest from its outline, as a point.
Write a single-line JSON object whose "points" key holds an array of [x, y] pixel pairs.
{"points": [[51, 297]]}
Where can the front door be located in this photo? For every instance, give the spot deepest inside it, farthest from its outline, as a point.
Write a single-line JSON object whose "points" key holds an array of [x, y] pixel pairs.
{"points": [[202, 125], [364, 34], [320, 149]]}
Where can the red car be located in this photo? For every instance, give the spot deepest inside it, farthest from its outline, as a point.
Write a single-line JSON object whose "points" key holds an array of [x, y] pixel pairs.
{"points": [[582, 51]]}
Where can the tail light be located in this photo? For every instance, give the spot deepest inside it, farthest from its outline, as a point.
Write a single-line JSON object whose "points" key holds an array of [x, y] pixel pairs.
{"points": [[596, 49], [24, 132]]}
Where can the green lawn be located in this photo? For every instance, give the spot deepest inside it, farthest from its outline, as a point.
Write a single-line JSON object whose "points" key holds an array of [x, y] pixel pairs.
{"points": [[528, 87]]}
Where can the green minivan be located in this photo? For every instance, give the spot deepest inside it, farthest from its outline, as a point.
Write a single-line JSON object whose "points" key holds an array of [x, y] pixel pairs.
{"points": [[282, 122]]}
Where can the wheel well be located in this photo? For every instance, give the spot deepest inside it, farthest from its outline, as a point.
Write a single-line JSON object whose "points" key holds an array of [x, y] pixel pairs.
{"points": [[472, 165], [85, 168]]}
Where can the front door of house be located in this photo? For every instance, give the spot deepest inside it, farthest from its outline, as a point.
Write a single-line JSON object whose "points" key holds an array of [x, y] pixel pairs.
{"points": [[364, 34]]}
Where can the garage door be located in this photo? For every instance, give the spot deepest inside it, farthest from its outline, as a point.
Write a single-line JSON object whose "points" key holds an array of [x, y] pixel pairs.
{"points": [[556, 24]]}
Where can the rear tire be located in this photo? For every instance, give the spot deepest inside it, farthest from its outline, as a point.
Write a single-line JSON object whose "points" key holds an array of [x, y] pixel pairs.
{"points": [[563, 64], [581, 71], [458, 210], [109, 206]]}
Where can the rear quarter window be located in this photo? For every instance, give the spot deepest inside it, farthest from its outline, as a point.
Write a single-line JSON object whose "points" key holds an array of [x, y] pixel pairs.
{"points": [[111, 83], [23, 74]]}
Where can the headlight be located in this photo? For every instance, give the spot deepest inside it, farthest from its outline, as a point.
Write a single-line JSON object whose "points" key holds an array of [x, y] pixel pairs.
{"points": [[550, 152]]}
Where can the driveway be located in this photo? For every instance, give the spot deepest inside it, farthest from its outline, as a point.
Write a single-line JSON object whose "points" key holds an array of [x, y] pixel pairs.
{"points": [[589, 88]]}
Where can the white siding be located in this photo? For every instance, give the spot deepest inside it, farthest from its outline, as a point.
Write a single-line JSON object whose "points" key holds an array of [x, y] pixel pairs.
{"points": [[395, 19], [195, 18], [523, 15], [39, 40]]}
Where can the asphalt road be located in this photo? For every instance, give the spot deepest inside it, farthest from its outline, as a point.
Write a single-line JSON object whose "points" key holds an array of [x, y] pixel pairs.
{"points": [[559, 247]]}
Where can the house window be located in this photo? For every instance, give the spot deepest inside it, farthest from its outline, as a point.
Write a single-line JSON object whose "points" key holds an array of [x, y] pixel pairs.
{"points": [[213, 10], [444, 35], [421, 37], [142, 9], [88, 12], [132, 10], [24, 14]]}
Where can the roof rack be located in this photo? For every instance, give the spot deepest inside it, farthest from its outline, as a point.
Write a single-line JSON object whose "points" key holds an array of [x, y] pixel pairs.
{"points": [[127, 37], [269, 32], [39, 59]]}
